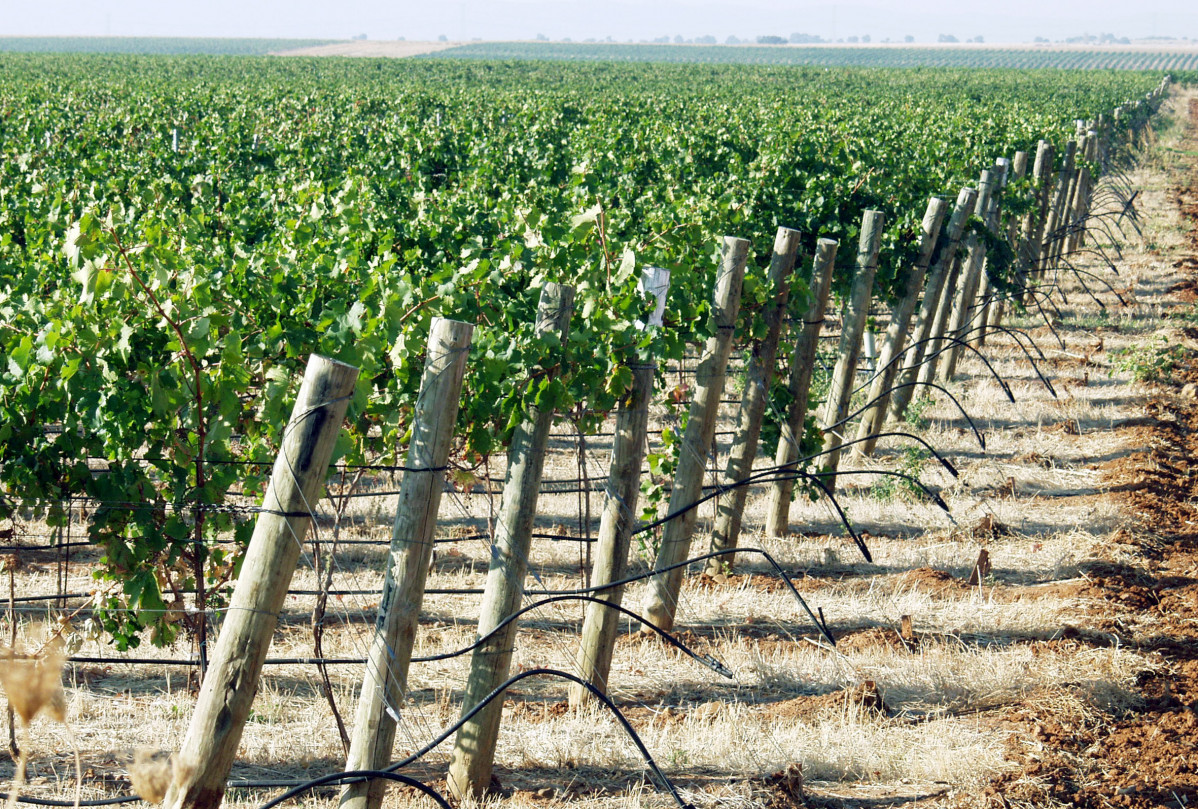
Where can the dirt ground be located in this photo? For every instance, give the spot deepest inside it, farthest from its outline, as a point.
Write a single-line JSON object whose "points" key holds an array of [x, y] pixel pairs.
{"points": [[1145, 756], [1066, 674]]}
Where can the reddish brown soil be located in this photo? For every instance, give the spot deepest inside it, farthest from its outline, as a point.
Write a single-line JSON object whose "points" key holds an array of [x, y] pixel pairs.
{"points": [[1147, 757]]}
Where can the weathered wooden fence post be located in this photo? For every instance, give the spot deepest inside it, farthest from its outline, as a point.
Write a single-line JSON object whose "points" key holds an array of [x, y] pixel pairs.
{"points": [[385, 678], [996, 306], [856, 310], [758, 378], [619, 511], [977, 317], [971, 270], [295, 487], [937, 292], [474, 748], [802, 366], [661, 602], [1056, 216], [1081, 207], [1035, 221], [896, 333]]}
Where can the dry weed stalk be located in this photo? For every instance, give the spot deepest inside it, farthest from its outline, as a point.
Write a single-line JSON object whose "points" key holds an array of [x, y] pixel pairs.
{"points": [[33, 683], [152, 773]]}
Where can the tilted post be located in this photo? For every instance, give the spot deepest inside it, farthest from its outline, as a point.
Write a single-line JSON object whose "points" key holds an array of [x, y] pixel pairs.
{"points": [[758, 378], [1035, 221], [385, 678], [619, 511], [928, 333], [971, 269], [1056, 216], [474, 747], [896, 333], [1081, 208], [661, 603], [802, 366], [996, 306], [856, 311], [977, 320], [295, 487]]}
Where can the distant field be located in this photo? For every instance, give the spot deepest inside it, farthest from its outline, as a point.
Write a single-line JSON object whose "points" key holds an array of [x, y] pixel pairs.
{"points": [[1127, 58], [390, 48], [155, 45]]}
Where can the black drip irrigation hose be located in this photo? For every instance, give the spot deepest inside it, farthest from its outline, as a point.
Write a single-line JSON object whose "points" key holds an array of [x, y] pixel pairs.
{"points": [[901, 354], [353, 776], [707, 660], [957, 341], [504, 686], [1043, 379], [1080, 272], [886, 393], [4, 796], [389, 772]]}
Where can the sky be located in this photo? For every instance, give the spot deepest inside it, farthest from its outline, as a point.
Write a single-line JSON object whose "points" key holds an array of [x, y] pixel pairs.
{"points": [[1010, 21]]}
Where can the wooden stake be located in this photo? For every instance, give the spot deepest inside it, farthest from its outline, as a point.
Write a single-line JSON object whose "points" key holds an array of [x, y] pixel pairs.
{"points": [[936, 290], [856, 310], [295, 487], [758, 378], [971, 269], [385, 679], [996, 307], [977, 320], [1036, 220], [1052, 236], [896, 333], [474, 748], [619, 514], [802, 364], [662, 600]]}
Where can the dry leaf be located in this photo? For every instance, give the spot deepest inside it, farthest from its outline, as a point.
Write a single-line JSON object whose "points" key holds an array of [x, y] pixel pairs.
{"points": [[34, 683], [151, 774]]}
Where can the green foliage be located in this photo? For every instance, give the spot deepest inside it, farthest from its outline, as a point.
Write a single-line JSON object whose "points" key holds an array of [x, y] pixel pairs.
{"points": [[914, 414], [890, 487], [1149, 363], [157, 306]]}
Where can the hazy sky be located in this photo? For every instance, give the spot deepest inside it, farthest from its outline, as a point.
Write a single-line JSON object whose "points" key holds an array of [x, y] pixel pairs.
{"points": [[1011, 21]]}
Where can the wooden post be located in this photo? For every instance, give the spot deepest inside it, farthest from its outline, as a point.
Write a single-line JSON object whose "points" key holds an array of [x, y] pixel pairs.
{"points": [[661, 602], [856, 310], [977, 320], [1056, 215], [1019, 166], [474, 748], [928, 335], [971, 270], [619, 513], [1035, 221], [896, 332], [758, 378], [1069, 217], [996, 308], [1081, 207], [802, 364], [295, 487], [385, 679]]}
